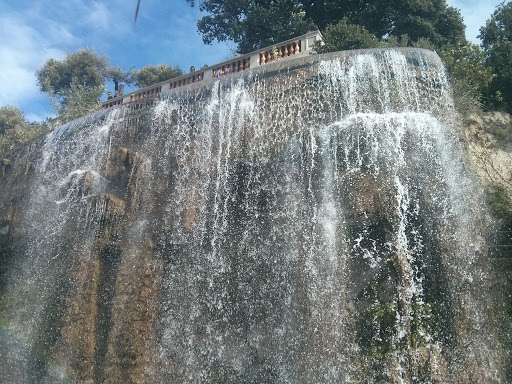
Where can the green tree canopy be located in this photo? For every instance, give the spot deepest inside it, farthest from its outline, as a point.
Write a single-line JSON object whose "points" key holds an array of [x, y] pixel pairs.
{"points": [[84, 67], [153, 74], [465, 63], [118, 76], [254, 24], [496, 38], [78, 79], [14, 129], [343, 35], [10, 118]]}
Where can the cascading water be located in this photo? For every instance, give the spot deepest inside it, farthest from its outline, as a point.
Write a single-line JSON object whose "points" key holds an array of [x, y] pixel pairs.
{"points": [[311, 222]]}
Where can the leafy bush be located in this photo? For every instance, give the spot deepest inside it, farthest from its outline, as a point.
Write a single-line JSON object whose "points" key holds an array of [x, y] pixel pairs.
{"points": [[14, 129], [343, 36]]}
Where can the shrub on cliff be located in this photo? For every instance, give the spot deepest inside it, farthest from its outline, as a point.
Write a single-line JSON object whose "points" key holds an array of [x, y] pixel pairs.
{"points": [[14, 129]]}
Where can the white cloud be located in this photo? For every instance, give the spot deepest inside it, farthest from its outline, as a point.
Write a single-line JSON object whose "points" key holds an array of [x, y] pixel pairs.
{"points": [[22, 51], [28, 40], [99, 17]]}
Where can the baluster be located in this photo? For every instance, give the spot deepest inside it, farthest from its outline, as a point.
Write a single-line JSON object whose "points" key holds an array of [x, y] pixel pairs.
{"points": [[262, 58], [269, 56]]}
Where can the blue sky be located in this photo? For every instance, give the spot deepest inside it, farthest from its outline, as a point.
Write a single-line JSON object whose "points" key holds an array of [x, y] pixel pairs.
{"points": [[32, 31]]}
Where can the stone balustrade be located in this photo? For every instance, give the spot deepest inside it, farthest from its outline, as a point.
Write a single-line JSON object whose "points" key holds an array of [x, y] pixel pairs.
{"points": [[146, 92], [280, 52], [293, 48], [187, 79], [236, 65]]}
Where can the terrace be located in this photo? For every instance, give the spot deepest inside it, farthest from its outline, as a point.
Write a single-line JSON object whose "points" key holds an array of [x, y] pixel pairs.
{"points": [[286, 50]]}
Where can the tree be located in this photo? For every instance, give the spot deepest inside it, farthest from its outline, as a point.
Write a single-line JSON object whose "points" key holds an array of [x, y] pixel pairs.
{"points": [[80, 101], [344, 35], [84, 67], [10, 118], [14, 129], [254, 24], [428, 19], [153, 74], [465, 63], [80, 75], [118, 76], [251, 24], [496, 38]]}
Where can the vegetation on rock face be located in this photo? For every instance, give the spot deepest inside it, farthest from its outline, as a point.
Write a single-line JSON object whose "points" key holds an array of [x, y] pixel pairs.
{"points": [[465, 61], [501, 206], [14, 129], [376, 324]]}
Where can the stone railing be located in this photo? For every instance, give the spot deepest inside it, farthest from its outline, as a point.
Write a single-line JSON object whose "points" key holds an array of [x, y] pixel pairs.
{"points": [[237, 65], [280, 52], [297, 47], [145, 93]]}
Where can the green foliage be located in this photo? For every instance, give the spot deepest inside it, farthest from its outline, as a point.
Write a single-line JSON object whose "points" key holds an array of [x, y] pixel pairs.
{"points": [[153, 74], [83, 67], [10, 118], [80, 101], [252, 25], [249, 24], [430, 19], [117, 75], [395, 41], [344, 35], [74, 84], [465, 63], [496, 38], [501, 206], [14, 129], [376, 324]]}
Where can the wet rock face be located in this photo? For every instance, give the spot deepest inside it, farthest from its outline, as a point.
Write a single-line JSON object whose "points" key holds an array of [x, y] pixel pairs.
{"points": [[312, 223]]}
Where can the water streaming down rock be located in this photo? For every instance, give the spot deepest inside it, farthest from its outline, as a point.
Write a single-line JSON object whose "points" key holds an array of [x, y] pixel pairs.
{"points": [[312, 221]]}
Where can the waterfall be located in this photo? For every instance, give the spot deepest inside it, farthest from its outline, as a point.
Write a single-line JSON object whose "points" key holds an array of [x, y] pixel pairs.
{"points": [[312, 221]]}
